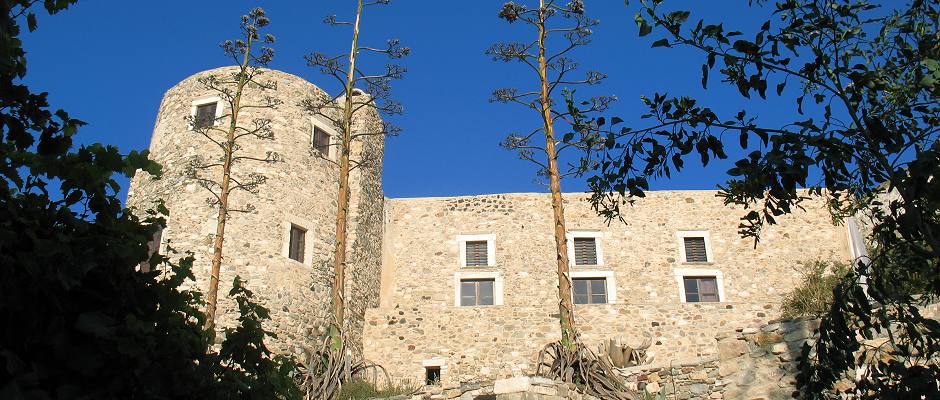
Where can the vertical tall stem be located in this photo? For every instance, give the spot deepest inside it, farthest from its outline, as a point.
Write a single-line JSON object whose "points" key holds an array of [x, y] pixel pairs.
{"points": [[565, 309], [225, 187], [342, 203]]}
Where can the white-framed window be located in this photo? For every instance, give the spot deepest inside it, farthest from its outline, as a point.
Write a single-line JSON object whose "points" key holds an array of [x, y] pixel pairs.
{"points": [[477, 289], [700, 285], [206, 111], [593, 287], [477, 250], [584, 248], [298, 246], [695, 247], [323, 138]]}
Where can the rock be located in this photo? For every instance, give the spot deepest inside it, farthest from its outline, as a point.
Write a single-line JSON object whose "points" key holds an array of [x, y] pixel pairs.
{"points": [[780, 394], [543, 390], [511, 385], [698, 375], [766, 338], [728, 368], [699, 389], [801, 333], [770, 327], [653, 388], [746, 377], [779, 348], [729, 348]]}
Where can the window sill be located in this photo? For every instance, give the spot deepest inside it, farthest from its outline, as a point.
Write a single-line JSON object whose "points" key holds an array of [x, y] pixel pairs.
{"points": [[294, 262], [703, 263]]}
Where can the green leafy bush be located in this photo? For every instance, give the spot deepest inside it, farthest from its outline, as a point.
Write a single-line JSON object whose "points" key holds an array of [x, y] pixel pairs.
{"points": [[79, 321], [363, 389], [813, 297]]}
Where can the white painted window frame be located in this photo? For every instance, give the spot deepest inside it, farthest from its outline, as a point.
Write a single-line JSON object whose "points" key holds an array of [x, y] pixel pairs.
{"points": [[219, 108], [597, 235], [334, 135], [607, 275], [497, 285], [682, 273], [489, 238], [308, 239], [709, 253]]}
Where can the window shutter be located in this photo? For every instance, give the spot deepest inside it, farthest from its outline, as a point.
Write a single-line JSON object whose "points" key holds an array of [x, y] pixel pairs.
{"points": [[477, 253], [585, 251], [695, 249], [321, 141], [701, 289], [205, 115], [296, 245]]}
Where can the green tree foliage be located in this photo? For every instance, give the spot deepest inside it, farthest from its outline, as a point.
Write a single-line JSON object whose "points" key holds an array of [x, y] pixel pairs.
{"points": [[813, 296], [78, 320], [864, 78]]}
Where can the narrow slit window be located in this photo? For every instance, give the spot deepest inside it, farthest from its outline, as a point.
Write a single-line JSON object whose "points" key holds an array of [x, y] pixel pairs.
{"points": [[477, 253], [476, 292], [321, 141], [153, 247], [205, 115], [432, 376], [695, 249], [296, 246], [590, 290], [585, 251], [701, 289]]}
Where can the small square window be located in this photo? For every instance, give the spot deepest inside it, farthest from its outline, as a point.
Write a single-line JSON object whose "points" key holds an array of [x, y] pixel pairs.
{"points": [[590, 290], [476, 292], [477, 252], [205, 115], [321, 141], [695, 249], [700, 289], [585, 251], [296, 246], [432, 376]]}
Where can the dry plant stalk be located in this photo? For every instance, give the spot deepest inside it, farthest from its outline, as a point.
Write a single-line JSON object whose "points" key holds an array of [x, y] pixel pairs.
{"points": [[568, 359], [230, 139], [340, 111]]}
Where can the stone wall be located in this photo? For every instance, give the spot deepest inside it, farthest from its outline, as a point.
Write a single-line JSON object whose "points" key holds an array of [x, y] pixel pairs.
{"points": [[518, 388], [300, 190], [418, 323], [692, 380]]}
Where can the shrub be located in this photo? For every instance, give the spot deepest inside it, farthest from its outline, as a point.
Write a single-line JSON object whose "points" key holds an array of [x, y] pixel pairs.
{"points": [[813, 296], [363, 389]]}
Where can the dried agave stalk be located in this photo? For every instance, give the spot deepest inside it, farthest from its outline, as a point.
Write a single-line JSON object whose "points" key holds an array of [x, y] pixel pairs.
{"points": [[576, 363], [329, 367]]}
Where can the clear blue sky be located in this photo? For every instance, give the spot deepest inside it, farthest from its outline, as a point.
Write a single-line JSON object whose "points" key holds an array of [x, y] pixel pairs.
{"points": [[109, 63]]}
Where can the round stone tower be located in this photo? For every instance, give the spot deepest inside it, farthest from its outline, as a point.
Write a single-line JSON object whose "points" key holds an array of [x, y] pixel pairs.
{"points": [[284, 247]]}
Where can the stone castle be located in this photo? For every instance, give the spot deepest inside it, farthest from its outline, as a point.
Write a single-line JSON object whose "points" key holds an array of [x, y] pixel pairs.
{"points": [[464, 288]]}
